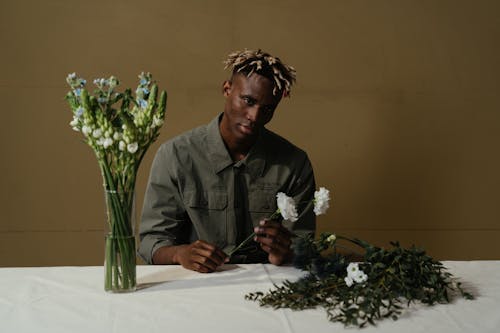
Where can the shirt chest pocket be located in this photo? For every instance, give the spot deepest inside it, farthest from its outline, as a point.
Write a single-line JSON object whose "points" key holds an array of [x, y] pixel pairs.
{"points": [[207, 211], [261, 204], [206, 200]]}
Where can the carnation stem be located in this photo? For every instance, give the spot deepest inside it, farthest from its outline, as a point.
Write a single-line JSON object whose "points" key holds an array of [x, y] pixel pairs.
{"points": [[248, 239], [253, 234]]}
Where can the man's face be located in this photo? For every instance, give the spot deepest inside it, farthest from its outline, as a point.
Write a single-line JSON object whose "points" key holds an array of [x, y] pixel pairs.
{"points": [[250, 105]]}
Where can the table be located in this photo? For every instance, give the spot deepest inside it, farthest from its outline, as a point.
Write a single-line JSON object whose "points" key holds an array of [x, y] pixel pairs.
{"points": [[172, 299]]}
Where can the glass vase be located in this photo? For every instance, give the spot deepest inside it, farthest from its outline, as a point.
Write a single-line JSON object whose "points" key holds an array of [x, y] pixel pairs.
{"points": [[120, 252], [120, 264]]}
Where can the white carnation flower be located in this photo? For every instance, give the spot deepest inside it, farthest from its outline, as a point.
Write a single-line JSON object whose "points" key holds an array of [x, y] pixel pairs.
{"points": [[321, 198], [122, 145], [286, 207], [132, 147]]}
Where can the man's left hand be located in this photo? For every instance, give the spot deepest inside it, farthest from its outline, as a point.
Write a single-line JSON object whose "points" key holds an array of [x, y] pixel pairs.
{"points": [[275, 239]]}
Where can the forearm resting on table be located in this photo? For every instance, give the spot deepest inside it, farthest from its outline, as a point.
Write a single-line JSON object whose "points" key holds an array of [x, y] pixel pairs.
{"points": [[168, 255]]}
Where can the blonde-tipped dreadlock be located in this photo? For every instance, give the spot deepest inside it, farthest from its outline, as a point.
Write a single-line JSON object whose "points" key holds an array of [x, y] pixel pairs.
{"points": [[250, 61]]}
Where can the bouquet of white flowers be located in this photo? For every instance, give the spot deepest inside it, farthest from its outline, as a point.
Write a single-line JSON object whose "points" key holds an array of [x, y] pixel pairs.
{"points": [[119, 127]]}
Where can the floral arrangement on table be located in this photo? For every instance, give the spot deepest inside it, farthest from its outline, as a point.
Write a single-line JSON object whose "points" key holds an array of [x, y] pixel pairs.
{"points": [[119, 127], [357, 293]]}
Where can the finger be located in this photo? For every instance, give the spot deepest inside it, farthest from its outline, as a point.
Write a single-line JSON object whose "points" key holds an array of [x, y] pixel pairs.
{"points": [[276, 257], [195, 266], [270, 223], [272, 227], [211, 251], [204, 264], [207, 257], [281, 235], [273, 244]]}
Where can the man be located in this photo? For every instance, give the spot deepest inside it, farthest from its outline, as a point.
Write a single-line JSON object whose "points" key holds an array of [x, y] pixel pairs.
{"points": [[211, 187]]}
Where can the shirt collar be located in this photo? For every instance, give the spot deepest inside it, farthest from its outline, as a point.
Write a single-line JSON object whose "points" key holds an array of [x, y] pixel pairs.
{"points": [[220, 158]]}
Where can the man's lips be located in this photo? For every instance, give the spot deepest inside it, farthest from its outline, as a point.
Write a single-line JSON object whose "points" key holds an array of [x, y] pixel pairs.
{"points": [[246, 128]]}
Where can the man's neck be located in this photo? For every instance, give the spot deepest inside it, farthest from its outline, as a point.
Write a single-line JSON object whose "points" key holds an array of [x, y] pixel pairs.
{"points": [[238, 150]]}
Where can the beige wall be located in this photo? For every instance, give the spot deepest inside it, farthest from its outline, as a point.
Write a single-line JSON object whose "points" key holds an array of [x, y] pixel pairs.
{"points": [[397, 103]]}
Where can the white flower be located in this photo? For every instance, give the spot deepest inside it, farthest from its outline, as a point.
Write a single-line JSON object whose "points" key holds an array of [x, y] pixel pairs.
{"points": [[74, 122], [360, 277], [117, 135], [107, 142], [157, 122], [86, 130], [286, 207], [352, 268], [97, 133], [122, 145], [132, 147], [321, 198], [354, 274], [100, 141], [331, 239], [348, 281]]}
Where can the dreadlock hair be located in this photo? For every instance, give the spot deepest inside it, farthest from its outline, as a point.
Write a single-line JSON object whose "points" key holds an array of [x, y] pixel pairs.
{"points": [[248, 62]]}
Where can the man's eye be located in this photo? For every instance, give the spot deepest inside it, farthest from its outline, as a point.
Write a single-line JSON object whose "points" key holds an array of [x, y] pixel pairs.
{"points": [[248, 101]]}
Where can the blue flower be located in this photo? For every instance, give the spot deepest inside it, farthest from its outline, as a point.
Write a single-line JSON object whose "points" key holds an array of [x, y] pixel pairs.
{"points": [[144, 82], [145, 90], [77, 92], [79, 111], [142, 103]]}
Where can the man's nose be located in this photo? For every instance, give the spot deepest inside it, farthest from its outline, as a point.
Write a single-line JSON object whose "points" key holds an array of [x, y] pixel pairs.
{"points": [[253, 113]]}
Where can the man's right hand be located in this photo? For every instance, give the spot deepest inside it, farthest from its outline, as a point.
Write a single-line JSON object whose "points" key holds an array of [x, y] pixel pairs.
{"points": [[199, 256]]}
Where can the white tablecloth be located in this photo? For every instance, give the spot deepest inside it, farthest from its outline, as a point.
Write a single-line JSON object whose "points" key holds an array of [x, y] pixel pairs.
{"points": [[172, 299]]}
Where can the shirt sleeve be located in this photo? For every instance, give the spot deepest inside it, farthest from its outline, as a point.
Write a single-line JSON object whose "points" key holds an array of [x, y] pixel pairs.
{"points": [[163, 215]]}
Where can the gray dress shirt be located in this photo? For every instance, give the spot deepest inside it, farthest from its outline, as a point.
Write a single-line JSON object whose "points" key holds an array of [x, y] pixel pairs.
{"points": [[196, 191]]}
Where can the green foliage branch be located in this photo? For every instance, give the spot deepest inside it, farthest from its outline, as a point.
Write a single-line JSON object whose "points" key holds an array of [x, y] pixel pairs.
{"points": [[397, 277]]}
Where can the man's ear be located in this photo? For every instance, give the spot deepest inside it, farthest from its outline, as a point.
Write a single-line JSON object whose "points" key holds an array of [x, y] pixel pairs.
{"points": [[226, 88]]}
